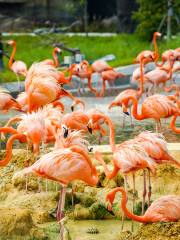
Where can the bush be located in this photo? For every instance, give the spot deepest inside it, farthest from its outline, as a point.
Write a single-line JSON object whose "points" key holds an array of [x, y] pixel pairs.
{"points": [[150, 14]]}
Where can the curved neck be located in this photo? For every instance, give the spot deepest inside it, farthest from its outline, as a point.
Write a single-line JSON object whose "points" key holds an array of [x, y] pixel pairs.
{"points": [[55, 57], [130, 215], [173, 125], [94, 179], [12, 55], [9, 144], [135, 109], [141, 89], [112, 133], [155, 47]]}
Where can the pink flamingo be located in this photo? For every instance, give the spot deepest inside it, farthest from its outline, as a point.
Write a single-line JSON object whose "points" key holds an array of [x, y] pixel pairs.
{"points": [[164, 209], [18, 67], [7, 101], [55, 61], [64, 166], [149, 55]]}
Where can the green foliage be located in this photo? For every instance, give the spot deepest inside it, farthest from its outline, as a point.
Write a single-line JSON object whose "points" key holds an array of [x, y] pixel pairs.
{"points": [[150, 14], [36, 48]]}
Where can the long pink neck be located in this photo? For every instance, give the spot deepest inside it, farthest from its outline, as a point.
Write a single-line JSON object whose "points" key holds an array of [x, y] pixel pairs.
{"points": [[112, 133], [141, 90], [12, 55], [135, 109], [55, 57], [130, 215], [155, 47], [173, 125]]}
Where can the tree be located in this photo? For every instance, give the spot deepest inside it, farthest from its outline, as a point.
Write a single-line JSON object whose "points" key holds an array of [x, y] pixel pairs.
{"points": [[150, 14]]}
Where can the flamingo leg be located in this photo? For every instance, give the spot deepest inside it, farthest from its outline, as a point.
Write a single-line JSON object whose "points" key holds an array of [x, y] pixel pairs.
{"points": [[124, 118], [134, 199], [72, 200], [100, 138], [144, 191], [61, 204], [18, 79], [26, 177], [131, 118], [149, 188], [126, 190]]}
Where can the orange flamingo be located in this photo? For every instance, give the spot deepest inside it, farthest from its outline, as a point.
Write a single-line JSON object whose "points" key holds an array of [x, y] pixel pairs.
{"points": [[18, 67], [55, 61], [79, 121], [175, 54], [122, 98], [173, 87], [164, 209], [156, 107], [149, 55], [156, 147], [110, 76], [83, 71], [128, 157], [64, 166], [7, 101], [172, 124]]}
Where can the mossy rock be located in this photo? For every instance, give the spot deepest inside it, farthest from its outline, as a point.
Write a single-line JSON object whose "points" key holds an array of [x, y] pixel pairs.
{"points": [[125, 235], [158, 231], [98, 211], [16, 223], [85, 199], [81, 213]]}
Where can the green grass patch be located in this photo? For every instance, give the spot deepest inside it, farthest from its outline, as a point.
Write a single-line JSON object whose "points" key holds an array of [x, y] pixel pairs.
{"points": [[124, 46]]}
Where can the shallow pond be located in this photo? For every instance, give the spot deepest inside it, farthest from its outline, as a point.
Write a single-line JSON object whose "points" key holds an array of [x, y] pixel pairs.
{"points": [[108, 229]]}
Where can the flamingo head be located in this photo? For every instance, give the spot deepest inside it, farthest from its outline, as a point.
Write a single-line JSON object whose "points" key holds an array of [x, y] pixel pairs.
{"points": [[57, 50], [113, 104], [11, 42], [90, 126], [110, 199], [158, 34], [65, 131]]}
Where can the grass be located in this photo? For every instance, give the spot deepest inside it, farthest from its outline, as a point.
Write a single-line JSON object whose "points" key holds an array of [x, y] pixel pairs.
{"points": [[124, 46]]}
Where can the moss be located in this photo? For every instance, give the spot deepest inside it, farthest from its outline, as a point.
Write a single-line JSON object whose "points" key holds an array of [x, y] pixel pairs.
{"points": [[98, 211], [158, 231]]}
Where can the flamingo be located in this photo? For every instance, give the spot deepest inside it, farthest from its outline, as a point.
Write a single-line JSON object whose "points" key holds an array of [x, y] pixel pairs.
{"points": [[122, 98], [18, 67], [64, 166], [164, 209], [78, 121], [55, 61], [110, 76], [149, 55], [83, 71], [159, 75], [173, 87], [128, 157], [175, 54], [172, 124], [156, 107], [7, 101], [156, 147]]}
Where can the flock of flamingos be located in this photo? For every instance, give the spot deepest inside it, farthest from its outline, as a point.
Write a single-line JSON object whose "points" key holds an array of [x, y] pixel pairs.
{"points": [[41, 120]]}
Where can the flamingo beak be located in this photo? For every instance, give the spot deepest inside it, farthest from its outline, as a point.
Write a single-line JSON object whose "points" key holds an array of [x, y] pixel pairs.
{"points": [[89, 129], [65, 132], [126, 113], [90, 149], [72, 108]]}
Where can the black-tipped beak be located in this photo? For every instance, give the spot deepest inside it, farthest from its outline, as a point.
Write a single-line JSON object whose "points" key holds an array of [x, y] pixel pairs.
{"points": [[65, 132], [89, 129], [126, 113], [90, 149], [72, 108]]}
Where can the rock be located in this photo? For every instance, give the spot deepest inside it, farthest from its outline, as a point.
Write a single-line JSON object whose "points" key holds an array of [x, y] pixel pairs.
{"points": [[98, 211], [85, 199], [81, 212], [16, 223], [158, 231]]}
